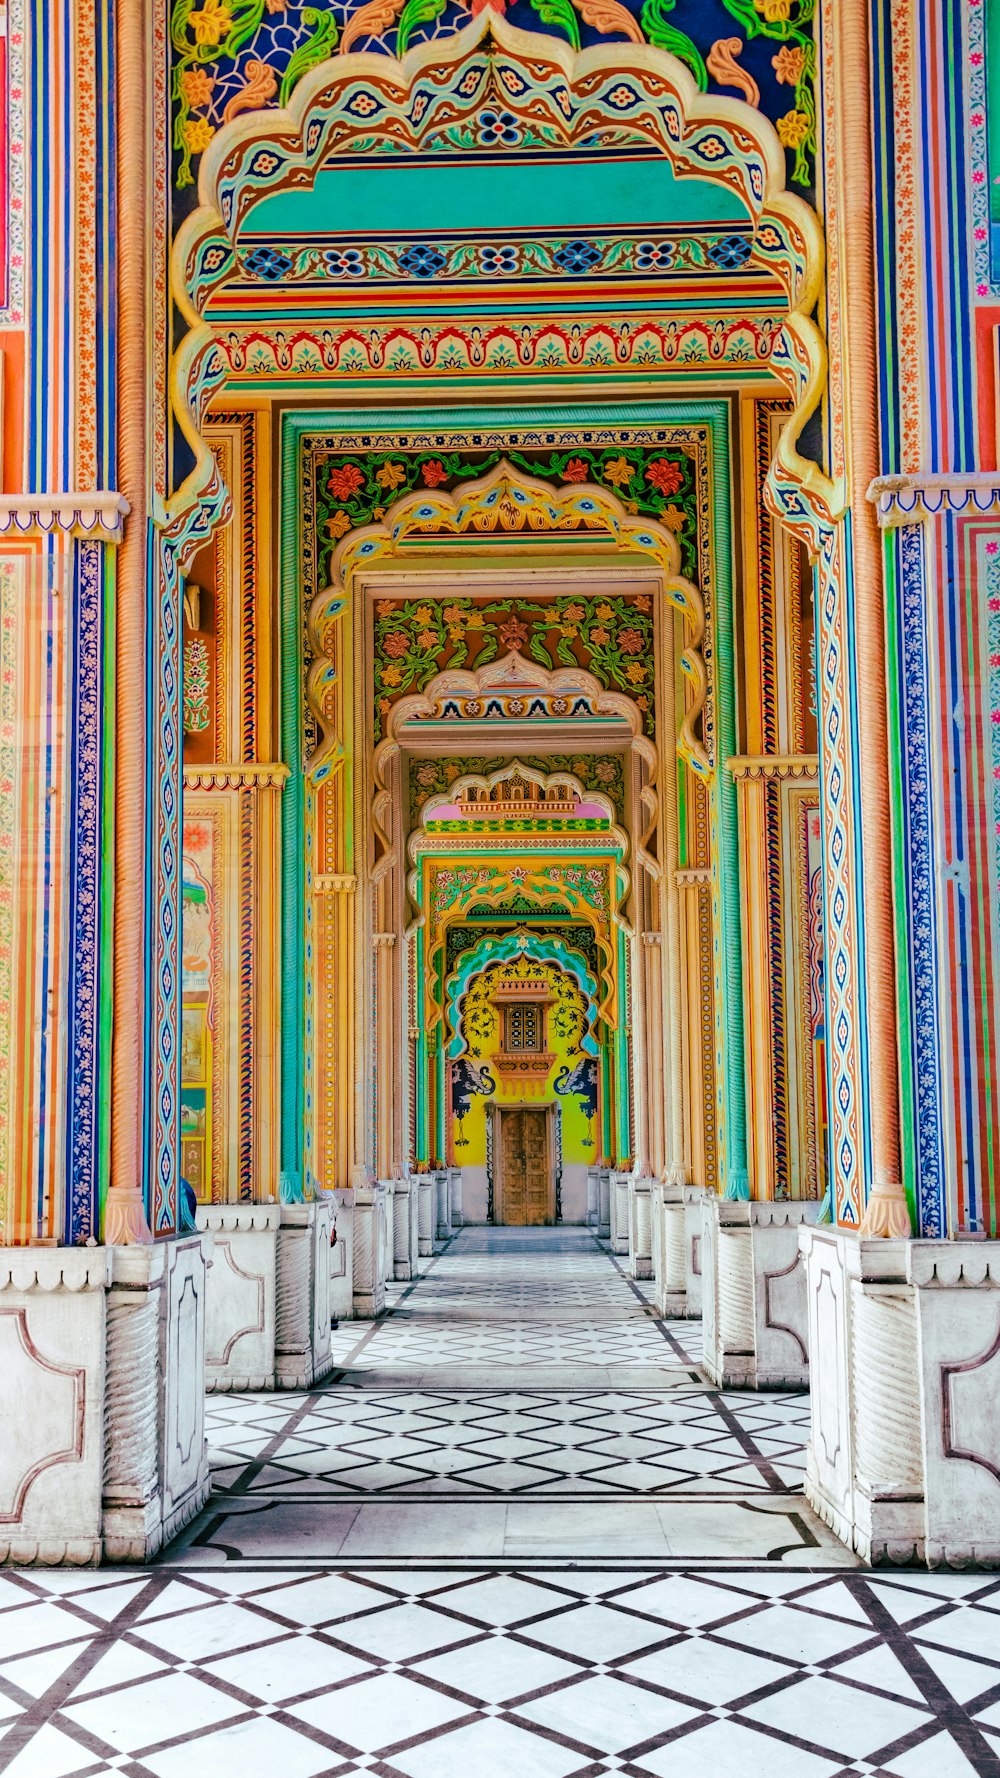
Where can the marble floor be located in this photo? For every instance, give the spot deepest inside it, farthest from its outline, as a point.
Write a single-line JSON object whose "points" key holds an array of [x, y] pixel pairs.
{"points": [[514, 1532]]}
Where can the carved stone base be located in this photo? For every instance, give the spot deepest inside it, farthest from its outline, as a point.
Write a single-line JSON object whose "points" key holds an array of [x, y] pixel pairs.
{"points": [[754, 1295], [424, 1186], [262, 1253], [455, 1197], [342, 1257], [904, 1457], [640, 1227], [603, 1204], [302, 1295], [102, 1355], [442, 1205], [239, 1336], [693, 1196], [669, 1249], [405, 1207], [619, 1212], [372, 1246]]}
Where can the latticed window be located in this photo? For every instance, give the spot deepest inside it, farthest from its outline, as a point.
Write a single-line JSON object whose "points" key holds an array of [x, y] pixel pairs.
{"points": [[523, 1026]]}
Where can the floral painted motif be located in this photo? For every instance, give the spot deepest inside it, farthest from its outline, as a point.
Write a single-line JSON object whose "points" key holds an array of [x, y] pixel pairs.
{"points": [[197, 706], [609, 636]]}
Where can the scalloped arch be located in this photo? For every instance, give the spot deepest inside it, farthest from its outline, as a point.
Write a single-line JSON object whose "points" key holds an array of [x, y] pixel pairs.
{"points": [[429, 101], [490, 951], [505, 500]]}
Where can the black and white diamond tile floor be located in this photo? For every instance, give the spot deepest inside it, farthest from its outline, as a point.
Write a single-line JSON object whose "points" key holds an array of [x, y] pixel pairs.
{"points": [[421, 1571]]}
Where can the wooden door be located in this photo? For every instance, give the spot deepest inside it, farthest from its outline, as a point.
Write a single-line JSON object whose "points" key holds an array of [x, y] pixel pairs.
{"points": [[527, 1195]]}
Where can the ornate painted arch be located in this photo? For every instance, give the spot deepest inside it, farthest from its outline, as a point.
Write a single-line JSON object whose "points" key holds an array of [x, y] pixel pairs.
{"points": [[490, 951], [505, 500], [432, 102]]}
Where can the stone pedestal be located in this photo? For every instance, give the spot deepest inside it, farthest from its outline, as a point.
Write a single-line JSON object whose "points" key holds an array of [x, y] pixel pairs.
{"points": [[302, 1294], [102, 1355], [593, 1197], [619, 1212], [669, 1249], [251, 1245], [455, 1196], [754, 1301], [693, 1197], [424, 1186], [239, 1332], [603, 1204], [405, 1198], [342, 1257], [442, 1206], [904, 1457], [640, 1227], [372, 1247]]}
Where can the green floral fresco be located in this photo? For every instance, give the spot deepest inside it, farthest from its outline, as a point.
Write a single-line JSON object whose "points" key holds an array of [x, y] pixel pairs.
{"points": [[233, 56]]}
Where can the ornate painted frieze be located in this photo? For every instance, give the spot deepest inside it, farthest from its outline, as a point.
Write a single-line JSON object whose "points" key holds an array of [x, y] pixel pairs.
{"points": [[234, 56]]}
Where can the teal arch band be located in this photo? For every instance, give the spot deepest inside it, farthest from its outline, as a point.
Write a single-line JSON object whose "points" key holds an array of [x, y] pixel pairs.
{"points": [[503, 950], [716, 414]]}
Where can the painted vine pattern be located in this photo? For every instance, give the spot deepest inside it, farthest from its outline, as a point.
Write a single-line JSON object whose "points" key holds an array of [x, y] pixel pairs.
{"points": [[651, 482], [234, 56], [609, 635]]}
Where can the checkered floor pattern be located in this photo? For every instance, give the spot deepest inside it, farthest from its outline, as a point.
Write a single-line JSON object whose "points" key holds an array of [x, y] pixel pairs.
{"points": [[547, 1549]]}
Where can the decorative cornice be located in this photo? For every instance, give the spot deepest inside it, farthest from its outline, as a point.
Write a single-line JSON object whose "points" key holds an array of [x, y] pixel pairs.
{"points": [[98, 514], [326, 884], [695, 878], [774, 765], [228, 776], [652, 939], [383, 940], [909, 499]]}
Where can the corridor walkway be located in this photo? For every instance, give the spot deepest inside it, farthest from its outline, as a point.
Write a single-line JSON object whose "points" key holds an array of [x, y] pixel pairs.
{"points": [[513, 1535]]}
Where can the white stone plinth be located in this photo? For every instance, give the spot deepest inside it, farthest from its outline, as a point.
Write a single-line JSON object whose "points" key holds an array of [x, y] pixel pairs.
{"points": [[302, 1294], [372, 1247], [753, 1294], [455, 1196], [593, 1197], [619, 1212], [254, 1244], [342, 1256], [102, 1354], [424, 1185], [603, 1204], [239, 1334], [693, 1196], [405, 1197], [904, 1456], [640, 1227], [669, 1248], [442, 1205]]}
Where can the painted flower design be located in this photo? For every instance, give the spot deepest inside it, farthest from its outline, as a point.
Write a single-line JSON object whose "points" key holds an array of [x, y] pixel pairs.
{"points": [[573, 613], [599, 638], [631, 641], [339, 523], [665, 475], [423, 616], [434, 473], [211, 22], [792, 129], [636, 672], [789, 64], [391, 475], [198, 133], [618, 471], [427, 639], [391, 675], [345, 480], [773, 11], [397, 643], [197, 86], [576, 470]]}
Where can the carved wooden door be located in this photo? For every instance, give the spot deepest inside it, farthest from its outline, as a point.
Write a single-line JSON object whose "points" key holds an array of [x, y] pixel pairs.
{"points": [[527, 1186]]}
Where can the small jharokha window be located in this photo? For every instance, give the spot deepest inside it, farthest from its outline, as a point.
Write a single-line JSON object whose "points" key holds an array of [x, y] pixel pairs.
{"points": [[523, 1026]]}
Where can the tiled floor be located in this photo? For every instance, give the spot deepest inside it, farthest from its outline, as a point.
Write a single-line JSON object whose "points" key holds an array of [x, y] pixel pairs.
{"points": [[424, 1571]]}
